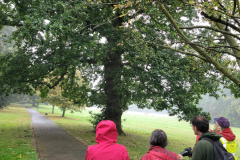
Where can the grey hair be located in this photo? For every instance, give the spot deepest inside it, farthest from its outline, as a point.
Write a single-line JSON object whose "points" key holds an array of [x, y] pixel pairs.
{"points": [[158, 138]]}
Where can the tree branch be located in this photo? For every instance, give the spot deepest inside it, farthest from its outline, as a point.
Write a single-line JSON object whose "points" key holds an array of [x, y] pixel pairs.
{"points": [[218, 65], [211, 28], [233, 47], [218, 20], [186, 53]]}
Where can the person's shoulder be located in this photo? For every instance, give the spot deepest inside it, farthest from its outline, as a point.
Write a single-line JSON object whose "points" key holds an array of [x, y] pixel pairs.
{"points": [[211, 135], [145, 156], [120, 145], [203, 142], [92, 147]]}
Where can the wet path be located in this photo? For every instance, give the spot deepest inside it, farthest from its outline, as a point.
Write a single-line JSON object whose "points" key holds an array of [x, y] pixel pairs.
{"points": [[53, 143]]}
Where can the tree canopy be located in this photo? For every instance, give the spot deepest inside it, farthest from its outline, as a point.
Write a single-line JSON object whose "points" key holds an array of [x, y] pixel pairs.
{"points": [[213, 37], [146, 59]]}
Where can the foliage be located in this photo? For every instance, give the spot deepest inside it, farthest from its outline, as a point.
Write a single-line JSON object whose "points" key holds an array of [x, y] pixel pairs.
{"points": [[5, 45], [5, 101], [33, 99], [55, 98], [214, 41], [139, 62], [95, 118]]}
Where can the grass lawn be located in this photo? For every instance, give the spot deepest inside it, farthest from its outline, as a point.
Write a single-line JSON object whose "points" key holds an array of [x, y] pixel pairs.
{"points": [[16, 141], [138, 129]]}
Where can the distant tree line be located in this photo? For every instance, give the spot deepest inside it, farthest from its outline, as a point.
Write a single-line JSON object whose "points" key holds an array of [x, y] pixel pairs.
{"points": [[6, 100], [226, 105]]}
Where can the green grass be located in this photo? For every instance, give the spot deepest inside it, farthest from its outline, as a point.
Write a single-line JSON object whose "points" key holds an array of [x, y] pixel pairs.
{"points": [[138, 129], [16, 141]]}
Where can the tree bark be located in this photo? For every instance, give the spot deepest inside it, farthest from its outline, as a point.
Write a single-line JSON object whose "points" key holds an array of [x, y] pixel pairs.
{"points": [[63, 114], [52, 108], [112, 74]]}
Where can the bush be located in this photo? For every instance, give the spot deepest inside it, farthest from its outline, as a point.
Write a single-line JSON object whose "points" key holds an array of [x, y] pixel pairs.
{"points": [[95, 118]]}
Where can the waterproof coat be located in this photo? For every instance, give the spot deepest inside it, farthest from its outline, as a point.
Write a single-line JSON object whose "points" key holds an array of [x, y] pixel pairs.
{"points": [[159, 153], [106, 149], [203, 149], [228, 141]]}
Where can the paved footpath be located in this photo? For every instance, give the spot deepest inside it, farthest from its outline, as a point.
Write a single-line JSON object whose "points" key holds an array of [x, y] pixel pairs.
{"points": [[53, 143]]}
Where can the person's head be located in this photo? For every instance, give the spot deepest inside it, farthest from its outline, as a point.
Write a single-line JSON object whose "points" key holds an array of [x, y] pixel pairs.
{"points": [[106, 131], [158, 138], [220, 124], [200, 124]]}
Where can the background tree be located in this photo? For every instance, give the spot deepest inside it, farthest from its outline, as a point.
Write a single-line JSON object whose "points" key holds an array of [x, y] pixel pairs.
{"points": [[5, 101], [34, 100], [55, 39], [55, 98], [227, 105]]}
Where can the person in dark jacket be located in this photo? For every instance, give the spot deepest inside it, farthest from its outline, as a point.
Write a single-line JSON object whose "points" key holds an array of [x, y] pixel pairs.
{"points": [[203, 149], [107, 148], [157, 151]]}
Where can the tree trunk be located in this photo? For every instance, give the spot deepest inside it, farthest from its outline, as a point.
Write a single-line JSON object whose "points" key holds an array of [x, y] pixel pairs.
{"points": [[63, 114], [113, 109], [52, 108], [34, 102], [112, 74]]}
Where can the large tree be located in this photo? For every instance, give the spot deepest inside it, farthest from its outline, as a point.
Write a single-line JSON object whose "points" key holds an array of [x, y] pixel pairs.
{"points": [[54, 39]]}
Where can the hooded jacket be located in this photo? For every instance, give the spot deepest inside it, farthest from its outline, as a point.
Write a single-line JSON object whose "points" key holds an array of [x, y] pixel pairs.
{"points": [[106, 149], [228, 141], [227, 134], [159, 153], [203, 149]]}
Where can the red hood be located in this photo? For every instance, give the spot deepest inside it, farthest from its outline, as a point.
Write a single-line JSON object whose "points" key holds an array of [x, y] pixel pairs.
{"points": [[227, 134], [106, 131]]}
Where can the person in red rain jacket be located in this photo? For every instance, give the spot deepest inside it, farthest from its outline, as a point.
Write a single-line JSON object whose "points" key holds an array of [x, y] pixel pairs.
{"points": [[107, 148], [157, 151], [221, 126]]}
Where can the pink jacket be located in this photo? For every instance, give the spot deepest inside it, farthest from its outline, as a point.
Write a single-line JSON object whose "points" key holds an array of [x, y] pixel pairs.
{"points": [[106, 149]]}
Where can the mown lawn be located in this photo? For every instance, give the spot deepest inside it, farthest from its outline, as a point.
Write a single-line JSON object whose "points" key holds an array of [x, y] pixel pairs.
{"points": [[138, 129], [16, 141]]}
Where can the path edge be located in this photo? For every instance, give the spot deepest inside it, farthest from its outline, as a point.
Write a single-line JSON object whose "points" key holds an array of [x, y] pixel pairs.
{"points": [[34, 140]]}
